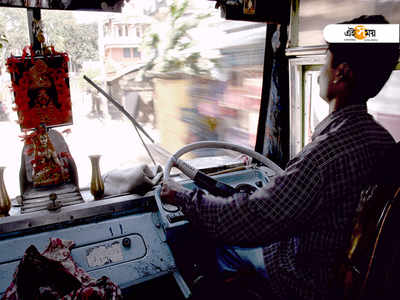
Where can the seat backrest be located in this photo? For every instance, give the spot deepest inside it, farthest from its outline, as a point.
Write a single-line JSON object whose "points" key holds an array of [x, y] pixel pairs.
{"points": [[383, 274], [369, 244], [370, 220]]}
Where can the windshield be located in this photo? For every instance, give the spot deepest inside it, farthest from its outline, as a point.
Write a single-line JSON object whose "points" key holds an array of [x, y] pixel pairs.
{"points": [[184, 73]]}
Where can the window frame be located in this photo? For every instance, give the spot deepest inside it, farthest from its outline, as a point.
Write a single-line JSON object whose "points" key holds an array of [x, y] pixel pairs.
{"points": [[299, 97], [297, 68]]}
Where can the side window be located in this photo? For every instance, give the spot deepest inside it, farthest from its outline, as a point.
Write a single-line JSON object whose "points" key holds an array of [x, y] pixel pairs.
{"points": [[385, 107], [315, 108]]}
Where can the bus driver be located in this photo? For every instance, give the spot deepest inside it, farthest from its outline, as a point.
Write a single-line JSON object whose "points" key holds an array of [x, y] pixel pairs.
{"points": [[301, 222]]}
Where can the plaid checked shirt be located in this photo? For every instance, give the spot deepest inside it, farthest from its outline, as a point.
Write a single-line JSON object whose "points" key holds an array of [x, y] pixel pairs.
{"points": [[303, 218]]}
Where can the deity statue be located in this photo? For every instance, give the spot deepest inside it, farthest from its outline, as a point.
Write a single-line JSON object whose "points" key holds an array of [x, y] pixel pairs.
{"points": [[46, 166]]}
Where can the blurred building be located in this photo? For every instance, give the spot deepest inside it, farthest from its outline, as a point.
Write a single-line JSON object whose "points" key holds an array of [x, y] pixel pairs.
{"points": [[120, 44], [223, 105], [226, 107], [120, 38]]}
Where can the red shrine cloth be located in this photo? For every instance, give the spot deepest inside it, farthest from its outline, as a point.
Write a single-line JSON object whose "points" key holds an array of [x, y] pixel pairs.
{"points": [[55, 275]]}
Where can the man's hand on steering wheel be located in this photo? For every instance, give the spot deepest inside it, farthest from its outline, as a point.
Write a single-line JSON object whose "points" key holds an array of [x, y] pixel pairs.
{"points": [[170, 187], [169, 190]]}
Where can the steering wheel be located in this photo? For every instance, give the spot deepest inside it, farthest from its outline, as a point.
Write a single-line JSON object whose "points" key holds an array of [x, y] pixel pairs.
{"points": [[192, 173]]}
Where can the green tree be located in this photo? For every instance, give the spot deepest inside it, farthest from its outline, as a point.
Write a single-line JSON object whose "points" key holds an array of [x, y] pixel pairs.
{"points": [[173, 51], [80, 41], [14, 28]]}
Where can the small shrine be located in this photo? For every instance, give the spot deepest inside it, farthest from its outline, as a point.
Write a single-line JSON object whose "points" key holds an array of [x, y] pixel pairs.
{"points": [[40, 83]]}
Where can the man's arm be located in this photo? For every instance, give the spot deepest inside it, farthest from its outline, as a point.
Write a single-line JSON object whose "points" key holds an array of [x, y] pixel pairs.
{"points": [[268, 215]]}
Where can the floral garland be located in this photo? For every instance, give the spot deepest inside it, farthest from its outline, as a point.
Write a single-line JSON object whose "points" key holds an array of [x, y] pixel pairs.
{"points": [[28, 117]]}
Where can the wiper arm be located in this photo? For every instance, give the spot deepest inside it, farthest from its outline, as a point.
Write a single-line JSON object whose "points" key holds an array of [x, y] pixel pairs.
{"points": [[122, 110]]}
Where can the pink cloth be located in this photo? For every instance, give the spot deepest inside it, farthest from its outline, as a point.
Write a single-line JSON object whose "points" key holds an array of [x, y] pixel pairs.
{"points": [[58, 253]]}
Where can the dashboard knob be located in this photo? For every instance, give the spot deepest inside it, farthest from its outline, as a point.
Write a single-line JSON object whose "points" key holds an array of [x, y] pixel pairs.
{"points": [[126, 242]]}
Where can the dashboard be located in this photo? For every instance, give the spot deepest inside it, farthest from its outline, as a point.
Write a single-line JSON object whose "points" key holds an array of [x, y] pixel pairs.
{"points": [[126, 238]]}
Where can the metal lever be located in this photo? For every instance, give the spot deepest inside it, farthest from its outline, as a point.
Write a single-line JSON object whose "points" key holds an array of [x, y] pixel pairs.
{"points": [[54, 205]]}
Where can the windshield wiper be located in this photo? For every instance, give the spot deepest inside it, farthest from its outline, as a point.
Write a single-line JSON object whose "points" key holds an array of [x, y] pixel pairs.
{"points": [[122, 110]]}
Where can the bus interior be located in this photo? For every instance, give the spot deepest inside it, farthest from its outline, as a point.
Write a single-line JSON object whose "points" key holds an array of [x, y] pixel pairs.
{"points": [[161, 89]]}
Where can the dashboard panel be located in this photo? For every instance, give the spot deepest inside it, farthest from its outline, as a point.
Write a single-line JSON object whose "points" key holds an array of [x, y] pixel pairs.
{"points": [[130, 243]]}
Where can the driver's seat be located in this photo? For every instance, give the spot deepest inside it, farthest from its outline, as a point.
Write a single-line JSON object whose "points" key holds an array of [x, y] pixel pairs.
{"points": [[373, 256], [369, 246]]}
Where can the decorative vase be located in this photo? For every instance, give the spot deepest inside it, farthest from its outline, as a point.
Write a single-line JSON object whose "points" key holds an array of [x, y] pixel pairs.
{"points": [[5, 203], [96, 183]]}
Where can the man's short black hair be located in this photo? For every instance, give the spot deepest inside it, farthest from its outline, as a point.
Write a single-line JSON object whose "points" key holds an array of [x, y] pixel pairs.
{"points": [[371, 63]]}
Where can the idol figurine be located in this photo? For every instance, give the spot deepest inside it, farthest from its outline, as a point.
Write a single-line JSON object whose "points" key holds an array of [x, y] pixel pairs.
{"points": [[46, 166]]}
